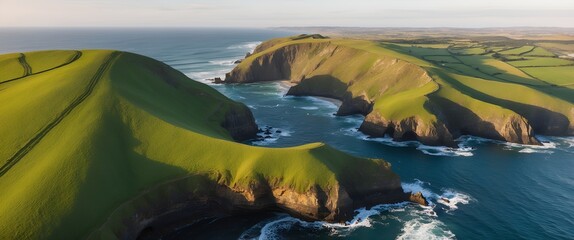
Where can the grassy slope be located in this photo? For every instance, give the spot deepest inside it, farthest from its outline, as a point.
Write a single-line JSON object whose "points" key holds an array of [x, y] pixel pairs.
{"points": [[139, 125], [486, 86], [11, 67]]}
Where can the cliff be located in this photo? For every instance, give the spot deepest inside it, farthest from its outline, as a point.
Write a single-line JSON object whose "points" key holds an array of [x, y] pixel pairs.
{"points": [[112, 145], [407, 97]]}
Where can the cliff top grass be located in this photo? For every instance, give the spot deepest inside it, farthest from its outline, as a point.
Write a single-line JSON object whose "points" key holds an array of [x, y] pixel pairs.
{"points": [[402, 78], [85, 131]]}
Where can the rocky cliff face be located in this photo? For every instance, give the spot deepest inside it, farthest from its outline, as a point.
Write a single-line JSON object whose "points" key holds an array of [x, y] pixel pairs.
{"points": [[240, 123], [183, 202], [327, 69], [409, 129]]}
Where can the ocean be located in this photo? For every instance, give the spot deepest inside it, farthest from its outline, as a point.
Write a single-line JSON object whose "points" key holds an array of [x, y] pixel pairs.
{"points": [[495, 190]]}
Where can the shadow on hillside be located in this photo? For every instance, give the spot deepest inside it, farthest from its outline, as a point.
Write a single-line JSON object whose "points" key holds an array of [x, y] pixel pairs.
{"points": [[462, 121], [542, 120]]}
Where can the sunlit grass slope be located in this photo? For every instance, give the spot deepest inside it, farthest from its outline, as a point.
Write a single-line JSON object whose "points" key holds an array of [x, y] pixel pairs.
{"points": [[498, 86], [84, 132]]}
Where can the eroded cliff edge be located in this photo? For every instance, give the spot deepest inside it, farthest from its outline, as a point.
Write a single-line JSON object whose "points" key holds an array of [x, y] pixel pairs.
{"points": [[170, 205], [405, 97]]}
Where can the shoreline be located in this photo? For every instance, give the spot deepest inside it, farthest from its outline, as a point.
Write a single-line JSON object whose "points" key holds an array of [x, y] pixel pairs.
{"points": [[166, 207], [288, 84]]}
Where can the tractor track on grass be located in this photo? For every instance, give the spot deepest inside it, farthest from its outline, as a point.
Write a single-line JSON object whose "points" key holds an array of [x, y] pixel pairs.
{"points": [[25, 65], [28, 68], [36, 139]]}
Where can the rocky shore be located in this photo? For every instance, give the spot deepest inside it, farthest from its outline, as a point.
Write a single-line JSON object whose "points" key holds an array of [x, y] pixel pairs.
{"points": [[169, 206]]}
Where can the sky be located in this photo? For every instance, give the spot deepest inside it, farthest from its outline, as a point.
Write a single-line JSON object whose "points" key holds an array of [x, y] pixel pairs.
{"points": [[275, 13]]}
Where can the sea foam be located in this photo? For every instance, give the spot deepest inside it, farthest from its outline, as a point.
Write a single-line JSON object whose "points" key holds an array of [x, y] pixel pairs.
{"points": [[247, 45], [418, 222]]}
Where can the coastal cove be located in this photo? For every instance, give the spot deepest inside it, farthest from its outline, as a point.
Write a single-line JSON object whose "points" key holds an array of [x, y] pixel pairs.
{"points": [[494, 190]]}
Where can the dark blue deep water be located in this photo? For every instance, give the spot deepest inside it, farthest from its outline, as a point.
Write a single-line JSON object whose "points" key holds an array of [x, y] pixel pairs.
{"points": [[496, 190]]}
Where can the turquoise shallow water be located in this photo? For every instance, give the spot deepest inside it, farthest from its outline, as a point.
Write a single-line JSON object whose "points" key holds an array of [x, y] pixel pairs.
{"points": [[496, 190]]}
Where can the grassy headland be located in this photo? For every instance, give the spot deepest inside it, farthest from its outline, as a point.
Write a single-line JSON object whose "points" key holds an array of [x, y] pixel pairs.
{"points": [[429, 91], [100, 143]]}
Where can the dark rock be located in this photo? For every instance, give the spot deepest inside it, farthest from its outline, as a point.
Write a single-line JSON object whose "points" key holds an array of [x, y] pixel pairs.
{"points": [[217, 80], [418, 198], [238, 61], [278, 131], [267, 132], [358, 105], [240, 123]]}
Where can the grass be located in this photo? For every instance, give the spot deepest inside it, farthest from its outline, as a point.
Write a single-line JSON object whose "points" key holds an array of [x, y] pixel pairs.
{"points": [[498, 69], [102, 129], [442, 59], [554, 75], [541, 62], [45, 60], [11, 67], [468, 51], [539, 52], [517, 51], [562, 48], [406, 80]]}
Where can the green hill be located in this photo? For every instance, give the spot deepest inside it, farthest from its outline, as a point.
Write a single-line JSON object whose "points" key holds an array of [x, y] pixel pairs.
{"points": [[427, 92], [103, 144]]}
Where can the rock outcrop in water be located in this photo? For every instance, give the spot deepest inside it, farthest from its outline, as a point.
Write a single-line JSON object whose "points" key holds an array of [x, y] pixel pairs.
{"points": [[402, 96]]}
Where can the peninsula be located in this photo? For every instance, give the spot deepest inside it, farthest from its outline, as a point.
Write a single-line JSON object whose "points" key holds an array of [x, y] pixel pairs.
{"points": [[432, 91], [103, 144]]}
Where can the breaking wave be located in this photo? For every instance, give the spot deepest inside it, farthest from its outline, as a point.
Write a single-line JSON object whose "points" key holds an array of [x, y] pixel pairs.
{"points": [[247, 45], [463, 149], [418, 222]]}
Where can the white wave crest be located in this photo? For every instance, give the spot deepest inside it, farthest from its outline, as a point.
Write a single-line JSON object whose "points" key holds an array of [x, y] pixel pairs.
{"points": [[248, 45], [419, 222], [452, 199], [422, 228], [228, 62], [462, 151], [549, 144], [309, 108], [448, 197], [202, 76], [275, 134]]}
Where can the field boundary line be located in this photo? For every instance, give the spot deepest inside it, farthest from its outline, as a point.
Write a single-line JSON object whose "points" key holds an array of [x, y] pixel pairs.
{"points": [[28, 69], [36, 139]]}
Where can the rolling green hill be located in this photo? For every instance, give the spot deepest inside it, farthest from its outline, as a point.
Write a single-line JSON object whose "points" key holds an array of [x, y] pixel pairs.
{"points": [[101, 144], [427, 92]]}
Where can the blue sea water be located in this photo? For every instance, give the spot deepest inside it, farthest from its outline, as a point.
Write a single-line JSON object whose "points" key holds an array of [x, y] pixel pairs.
{"points": [[495, 190]]}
